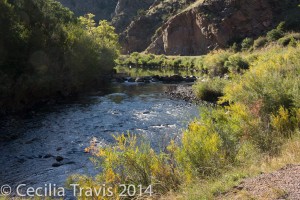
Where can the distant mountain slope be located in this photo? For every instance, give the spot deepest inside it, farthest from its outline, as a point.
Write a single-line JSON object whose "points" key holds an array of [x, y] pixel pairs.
{"points": [[127, 10], [103, 9], [138, 35], [187, 27], [214, 23]]}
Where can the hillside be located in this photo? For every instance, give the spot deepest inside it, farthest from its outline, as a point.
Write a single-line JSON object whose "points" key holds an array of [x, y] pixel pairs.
{"points": [[188, 27], [215, 24], [102, 9]]}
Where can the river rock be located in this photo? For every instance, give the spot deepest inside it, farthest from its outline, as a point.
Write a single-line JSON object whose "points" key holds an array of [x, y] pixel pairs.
{"points": [[120, 80], [155, 80], [131, 80], [176, 78], [59, 158], [190, 79], [57, 164], [48, 156], [139, 79]]}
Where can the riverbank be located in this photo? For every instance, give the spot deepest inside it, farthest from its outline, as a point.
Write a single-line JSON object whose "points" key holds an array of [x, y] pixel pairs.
{"points": [[53, 55], [217, 149]]}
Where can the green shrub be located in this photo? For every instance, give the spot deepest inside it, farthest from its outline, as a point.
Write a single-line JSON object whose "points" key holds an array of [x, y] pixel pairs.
{"points": [[209, 90], [198, 63], [213, 141], [247, 44], [284, 41], [214, 63], [260, 42], [236, 64], [235, 47], [132, 161], [269, 92], [274, 35]]}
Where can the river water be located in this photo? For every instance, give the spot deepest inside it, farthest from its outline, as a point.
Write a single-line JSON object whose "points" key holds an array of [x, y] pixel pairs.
{"points": [[30, 144]]}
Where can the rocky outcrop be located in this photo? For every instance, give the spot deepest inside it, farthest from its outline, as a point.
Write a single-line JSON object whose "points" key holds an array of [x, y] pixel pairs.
{"points": [[102, 9], [139, 34], [212, 25], [185, 27], [126, 10]]}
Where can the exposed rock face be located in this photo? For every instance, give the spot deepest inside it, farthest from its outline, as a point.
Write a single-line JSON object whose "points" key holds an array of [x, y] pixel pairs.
{"points": [[173, 27], [138, 35], [103, 9], [126, 10], [212, 25]]}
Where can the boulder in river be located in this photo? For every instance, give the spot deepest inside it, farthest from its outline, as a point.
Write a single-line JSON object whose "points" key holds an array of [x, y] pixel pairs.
{"points": [[139, 79], [190, 79], [48, 155], [59, 158], [57, 164], [131, 80]]}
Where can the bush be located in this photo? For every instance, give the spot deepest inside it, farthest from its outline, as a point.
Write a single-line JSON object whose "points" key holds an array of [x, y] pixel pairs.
{"points": [[273, 82], [209, 90], [214, 63], [132, 161], [236, 64], [247, 44], [201, 150], [235, 47], [268, 90], [274, 35], [260, 42]]}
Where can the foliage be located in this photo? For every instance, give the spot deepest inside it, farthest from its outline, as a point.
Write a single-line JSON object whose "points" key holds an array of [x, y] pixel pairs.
{"points": [[289, 39], [236, 64], [261, 115], [46, 52], [212, 64], [247, 44], [131, 161], [260, 42], [210, 89], [276, 33]]}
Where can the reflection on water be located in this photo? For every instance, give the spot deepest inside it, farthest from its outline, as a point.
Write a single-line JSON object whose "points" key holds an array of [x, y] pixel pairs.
{"points": [[29, 144], [152, 71]]}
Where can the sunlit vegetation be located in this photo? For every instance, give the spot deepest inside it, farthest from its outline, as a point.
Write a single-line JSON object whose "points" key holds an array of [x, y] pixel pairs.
{"points": [[46, 52], [156, 71], [210, 89], [226, 143]]}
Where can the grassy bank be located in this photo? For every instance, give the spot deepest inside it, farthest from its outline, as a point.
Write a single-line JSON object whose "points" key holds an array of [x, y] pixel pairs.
{"points": [[236, 59]]}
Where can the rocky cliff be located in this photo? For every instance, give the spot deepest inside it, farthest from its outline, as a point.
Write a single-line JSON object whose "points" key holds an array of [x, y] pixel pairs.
{"points": [[120, 12], [184, 27], [127, 10], [138, 35], [214, 23]]}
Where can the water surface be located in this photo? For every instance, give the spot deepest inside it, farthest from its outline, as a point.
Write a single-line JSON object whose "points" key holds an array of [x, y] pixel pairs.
{"points": [[29, 144]]}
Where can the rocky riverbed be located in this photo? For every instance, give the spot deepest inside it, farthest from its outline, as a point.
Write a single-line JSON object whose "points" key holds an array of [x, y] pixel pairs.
{"points": [[121, 78]]}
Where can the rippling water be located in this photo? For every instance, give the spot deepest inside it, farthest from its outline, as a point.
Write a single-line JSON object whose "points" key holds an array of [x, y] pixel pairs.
{"points": [[30, 143]]}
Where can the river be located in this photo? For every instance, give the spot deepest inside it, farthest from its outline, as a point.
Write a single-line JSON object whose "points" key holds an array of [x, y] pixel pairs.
{"points": [[30, 143]]}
